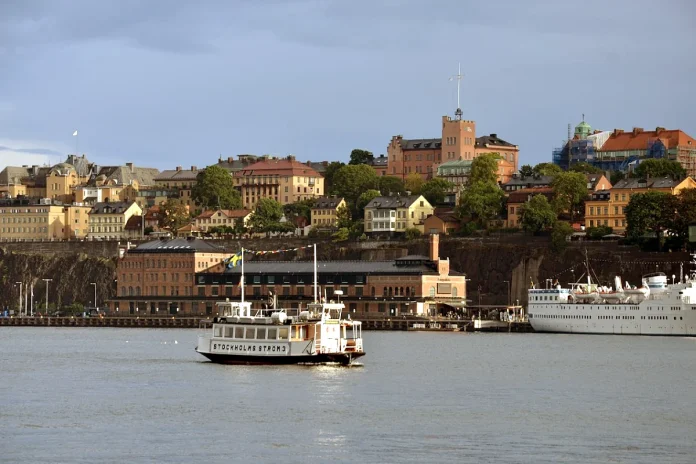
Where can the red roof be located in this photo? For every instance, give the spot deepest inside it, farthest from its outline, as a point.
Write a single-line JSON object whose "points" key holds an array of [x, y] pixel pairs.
{"points": [[278, 167], [638, 139]]}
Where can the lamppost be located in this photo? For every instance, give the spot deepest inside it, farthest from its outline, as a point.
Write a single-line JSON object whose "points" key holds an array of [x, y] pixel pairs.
{"points": [[508, 291], [95, 293], [20, 297], [47, 281]]}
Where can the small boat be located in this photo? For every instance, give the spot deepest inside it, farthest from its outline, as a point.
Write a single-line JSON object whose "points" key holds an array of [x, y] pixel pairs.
{"points": [[315, 335]]}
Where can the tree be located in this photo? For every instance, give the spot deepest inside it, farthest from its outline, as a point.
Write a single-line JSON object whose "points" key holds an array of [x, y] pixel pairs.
{"points": [[413, 183], [685, 215], [484, 168], [412, 233], [343, 217], [546, 169], [352, 180], [526, 171], [651, 211], [435, 190], [481, 201], [358, 156], [569, 189], [267, 215], [174, 215], [559, 235], [214, 189], [596, 233], [616, 176], [390, 185], [329, 174], [363, 200], [341, 235], [659, 168], [537, 214], [302, 208], [586, 168]]}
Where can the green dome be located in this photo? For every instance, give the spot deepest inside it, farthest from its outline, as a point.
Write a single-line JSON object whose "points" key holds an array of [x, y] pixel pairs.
{"points": [[582, 130]]}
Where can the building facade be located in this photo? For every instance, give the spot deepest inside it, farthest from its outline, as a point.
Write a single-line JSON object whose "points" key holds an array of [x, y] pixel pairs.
{"points": [[393, 215], [180, 180], [324, 212], [107, 221], [20, 221], [518, 198], [221, 218]]}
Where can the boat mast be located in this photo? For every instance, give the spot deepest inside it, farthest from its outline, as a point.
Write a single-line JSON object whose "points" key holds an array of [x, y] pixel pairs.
{"points": [[316, 283], [241, 279]]}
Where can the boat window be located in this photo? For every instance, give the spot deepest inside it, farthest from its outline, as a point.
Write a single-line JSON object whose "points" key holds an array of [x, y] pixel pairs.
{"points": [[218, 331], [261, 333], [250, 332], [294, 332], [272, 333], [283, 333], [239, 332], [228, 332]]}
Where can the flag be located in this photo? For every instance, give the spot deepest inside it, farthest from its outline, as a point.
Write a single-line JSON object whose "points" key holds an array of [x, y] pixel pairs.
{"points": [[233, 260], [74, 134]]}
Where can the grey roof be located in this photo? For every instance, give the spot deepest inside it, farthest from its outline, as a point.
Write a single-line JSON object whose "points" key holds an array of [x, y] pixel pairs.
{"points": [[393, 202], [174, 174], [81, 164], [178, 245], [421, 144], [380, 161], [657, 182], [113, 207], [328, 202], [124, 175], [234, 165], [530, 181], [319, 166], [15, 174], [331, 267], [62, 169], [492, 139]]}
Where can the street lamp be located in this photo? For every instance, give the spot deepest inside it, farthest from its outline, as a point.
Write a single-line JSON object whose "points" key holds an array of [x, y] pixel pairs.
{"points": [[508, 291], [20, 297], [95, 293], [47, 281]]}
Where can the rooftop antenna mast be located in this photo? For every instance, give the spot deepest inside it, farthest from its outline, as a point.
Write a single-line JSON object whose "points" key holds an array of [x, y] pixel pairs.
{"points": [[458, 77]]}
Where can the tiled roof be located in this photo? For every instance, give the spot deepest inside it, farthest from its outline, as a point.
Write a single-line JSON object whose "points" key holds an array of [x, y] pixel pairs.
{"points": [[421, 144], [328, 202], [639, 139], [659, 182], [594, 179], [380, 161], [177, 245], [114, 207], [177, 174], [522, 196], [230, 213], [134, 223], [529, 181], [393, 202], [446, 214], [280, 167], [124, 175], [492, 139]]}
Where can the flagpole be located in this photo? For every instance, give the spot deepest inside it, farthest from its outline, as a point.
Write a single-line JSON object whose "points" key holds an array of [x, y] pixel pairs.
{"points": [[315, 274], [241, 280]]}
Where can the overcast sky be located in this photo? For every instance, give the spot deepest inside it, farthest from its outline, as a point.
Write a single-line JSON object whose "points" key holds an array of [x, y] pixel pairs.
{"points": [[165, 83]]}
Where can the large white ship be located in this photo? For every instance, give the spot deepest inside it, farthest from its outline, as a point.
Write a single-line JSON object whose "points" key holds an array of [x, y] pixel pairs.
{"points": [[655, 308]]}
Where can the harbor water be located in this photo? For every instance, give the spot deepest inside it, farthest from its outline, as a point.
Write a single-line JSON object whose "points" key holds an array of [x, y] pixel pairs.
{"points": [[85, 395]]}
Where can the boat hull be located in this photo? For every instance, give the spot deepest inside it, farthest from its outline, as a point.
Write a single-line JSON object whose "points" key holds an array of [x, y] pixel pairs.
{"points": [[320, 358]]}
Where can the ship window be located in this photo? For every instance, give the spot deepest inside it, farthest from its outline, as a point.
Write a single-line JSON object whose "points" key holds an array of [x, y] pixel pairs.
{"points": [[218, 331], [272, 333], [261, 333], [239, 332], [228, 332], [250, 332], [283, 333]]}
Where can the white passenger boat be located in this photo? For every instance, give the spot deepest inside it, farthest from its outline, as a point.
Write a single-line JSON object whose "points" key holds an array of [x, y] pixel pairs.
{"points": [[316, 335], [656, 308]]}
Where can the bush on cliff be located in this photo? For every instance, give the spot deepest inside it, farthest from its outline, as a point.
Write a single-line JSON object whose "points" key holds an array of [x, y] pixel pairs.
{"points": [[412, 233], [559, 235]]}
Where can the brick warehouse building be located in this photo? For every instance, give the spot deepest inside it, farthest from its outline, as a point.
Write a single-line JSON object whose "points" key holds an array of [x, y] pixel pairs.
{"points": [[186, 277]]}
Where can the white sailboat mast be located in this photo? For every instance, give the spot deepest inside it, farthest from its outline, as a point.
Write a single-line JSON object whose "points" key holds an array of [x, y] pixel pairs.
{"points": [[316, 282], [241, 280]]}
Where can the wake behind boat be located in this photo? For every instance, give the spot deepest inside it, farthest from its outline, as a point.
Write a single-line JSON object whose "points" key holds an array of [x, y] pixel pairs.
{"points": [[316, 335]]}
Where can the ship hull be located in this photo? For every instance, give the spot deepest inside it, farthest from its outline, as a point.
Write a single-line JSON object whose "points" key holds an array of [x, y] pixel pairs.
{"points": [[320, 358]]}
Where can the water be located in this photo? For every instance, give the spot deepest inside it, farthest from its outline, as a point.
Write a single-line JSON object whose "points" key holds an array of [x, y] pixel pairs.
{"points": [[90, 395]]}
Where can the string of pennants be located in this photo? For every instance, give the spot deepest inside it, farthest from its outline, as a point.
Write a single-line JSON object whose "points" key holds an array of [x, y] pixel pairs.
{"points": [[236, 259], [615, 261]]}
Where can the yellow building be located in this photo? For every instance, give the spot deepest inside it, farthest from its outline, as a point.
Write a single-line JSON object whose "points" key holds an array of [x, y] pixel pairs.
{"points": [[284, 180], [221, 218], [324, 212], [61, 182], [99, 194], [608, 207], [396, 214], [181, 180], [107, 221], [42, 222]]}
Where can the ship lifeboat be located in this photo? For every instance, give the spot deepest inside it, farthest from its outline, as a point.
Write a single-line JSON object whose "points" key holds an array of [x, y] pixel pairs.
{"points": [[637, 294], [585, 293]]}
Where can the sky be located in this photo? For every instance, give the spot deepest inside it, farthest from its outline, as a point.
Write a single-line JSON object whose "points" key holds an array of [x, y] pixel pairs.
{"points": [[164, 83]]}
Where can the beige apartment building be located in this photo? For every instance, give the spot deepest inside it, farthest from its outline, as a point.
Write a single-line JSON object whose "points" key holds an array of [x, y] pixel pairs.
{"points": [[221, 218], [181, 180], [43, 222], [284, 180], [389, 215], [325, 212], [107, 221]]}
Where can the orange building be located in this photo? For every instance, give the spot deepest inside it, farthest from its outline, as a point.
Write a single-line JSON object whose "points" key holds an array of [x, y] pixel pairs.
{"points": [[518, 198]]}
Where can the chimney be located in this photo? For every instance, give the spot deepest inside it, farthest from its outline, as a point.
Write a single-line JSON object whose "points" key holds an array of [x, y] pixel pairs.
{"points": [[194, 168], [434, 247], [618, 131], [178, 168], [494, 136], [637, 130], [230, 159], [291, 157], [659, 129], [130, 166]]}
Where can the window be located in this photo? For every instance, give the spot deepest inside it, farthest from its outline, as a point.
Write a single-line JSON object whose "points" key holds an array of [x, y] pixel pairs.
{"points": [[358, 291], [432, 292], [272, 333], [250, 333], [270, 279], [239, 332], [261, 333], [283, 333]]}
